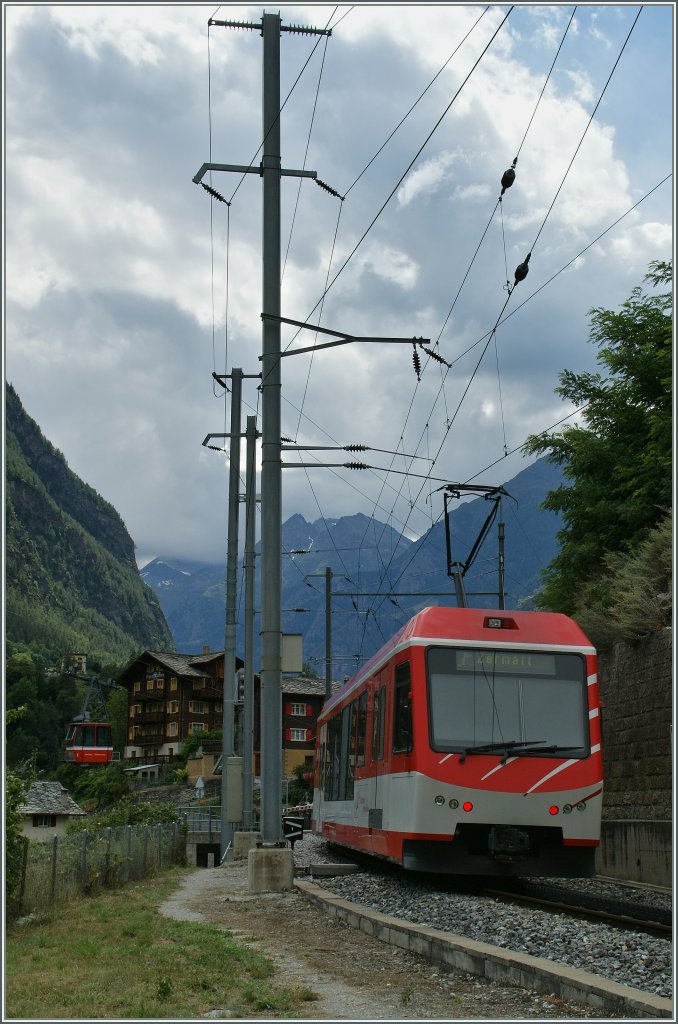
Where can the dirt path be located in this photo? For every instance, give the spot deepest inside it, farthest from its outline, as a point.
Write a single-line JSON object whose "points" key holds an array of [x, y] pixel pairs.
{"points": [[357, 977]]}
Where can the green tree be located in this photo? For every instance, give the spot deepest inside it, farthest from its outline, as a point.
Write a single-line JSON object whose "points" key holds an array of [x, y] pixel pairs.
{"points": [[618, 465], [17, 783], [633, 597]]}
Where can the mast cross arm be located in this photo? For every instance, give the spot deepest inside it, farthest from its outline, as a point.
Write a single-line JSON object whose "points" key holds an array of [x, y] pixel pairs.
{"points": [[251, 169]]}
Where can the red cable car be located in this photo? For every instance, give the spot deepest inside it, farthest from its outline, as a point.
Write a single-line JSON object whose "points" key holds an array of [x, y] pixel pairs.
{"points": [[89, 737], [89, 742]]}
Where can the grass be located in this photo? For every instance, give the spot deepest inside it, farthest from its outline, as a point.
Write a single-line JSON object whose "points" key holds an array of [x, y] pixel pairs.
{"points": [[115, 956]]}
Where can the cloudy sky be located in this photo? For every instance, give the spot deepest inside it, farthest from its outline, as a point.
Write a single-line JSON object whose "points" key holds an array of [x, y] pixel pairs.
{"points": [[127, 286]]}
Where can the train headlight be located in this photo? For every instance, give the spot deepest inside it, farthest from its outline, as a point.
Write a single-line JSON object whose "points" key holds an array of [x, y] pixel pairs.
{"points": [[439, 801], [553, 809], [581, 806], [567, 808], [454, 804]]}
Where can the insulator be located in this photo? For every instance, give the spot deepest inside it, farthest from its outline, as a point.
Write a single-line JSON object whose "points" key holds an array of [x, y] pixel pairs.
{"points": [[355, 448], [417, 363], [522, 269], [507, 179], [438, 358], [213, 192], [356, 465], [328, 188]]}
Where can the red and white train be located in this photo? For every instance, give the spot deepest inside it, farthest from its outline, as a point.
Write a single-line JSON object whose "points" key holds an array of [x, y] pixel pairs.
{"points": [[469, 744]]}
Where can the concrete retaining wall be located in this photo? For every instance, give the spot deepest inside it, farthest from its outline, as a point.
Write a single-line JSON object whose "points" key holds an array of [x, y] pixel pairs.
{"points": [[636, 690], [486, 961], [637, 851]]}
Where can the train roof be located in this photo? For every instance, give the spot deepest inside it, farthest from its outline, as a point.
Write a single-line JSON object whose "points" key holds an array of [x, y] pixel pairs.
{"points": [[474, 625]]}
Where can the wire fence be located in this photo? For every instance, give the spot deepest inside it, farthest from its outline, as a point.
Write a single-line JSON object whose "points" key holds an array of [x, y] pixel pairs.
{"points": [[83, 863]]}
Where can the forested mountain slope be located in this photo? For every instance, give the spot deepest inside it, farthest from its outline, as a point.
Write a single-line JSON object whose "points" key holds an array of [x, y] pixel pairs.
{"points": [[71, 580]]}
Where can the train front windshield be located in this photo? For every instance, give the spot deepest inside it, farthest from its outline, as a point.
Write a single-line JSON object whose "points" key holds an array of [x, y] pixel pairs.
{"points": [[527, 701]]}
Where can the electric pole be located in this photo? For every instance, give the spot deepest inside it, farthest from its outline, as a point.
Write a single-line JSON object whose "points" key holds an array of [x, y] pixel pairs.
{"points": [[271, 466]]}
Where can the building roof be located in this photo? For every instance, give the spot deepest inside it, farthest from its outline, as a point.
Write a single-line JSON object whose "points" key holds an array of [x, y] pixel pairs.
{"points": [[306, 686], [49, 798], [190, 665]]}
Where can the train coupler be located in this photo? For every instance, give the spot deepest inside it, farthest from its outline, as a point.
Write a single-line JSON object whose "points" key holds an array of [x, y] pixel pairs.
{"points": [[507, 843]]}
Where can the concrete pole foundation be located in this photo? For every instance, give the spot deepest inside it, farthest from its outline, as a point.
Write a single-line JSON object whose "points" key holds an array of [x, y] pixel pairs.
{"points": [[270, 869], [243, 842]]}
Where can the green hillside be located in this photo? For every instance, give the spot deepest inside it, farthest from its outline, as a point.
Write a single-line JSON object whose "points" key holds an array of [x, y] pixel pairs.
{"points": [[71, 580]]}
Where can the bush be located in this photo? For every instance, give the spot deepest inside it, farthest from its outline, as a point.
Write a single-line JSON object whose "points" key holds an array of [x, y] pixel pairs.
{"points": [[127, 813]]}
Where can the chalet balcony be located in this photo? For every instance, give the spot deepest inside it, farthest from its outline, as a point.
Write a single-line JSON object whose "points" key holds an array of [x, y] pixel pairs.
{"points": [[153, 715], [210, 690], [148, 741]]}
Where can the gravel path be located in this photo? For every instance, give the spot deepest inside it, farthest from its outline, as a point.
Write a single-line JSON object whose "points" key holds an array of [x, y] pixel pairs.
{"points": [[355, 976]]}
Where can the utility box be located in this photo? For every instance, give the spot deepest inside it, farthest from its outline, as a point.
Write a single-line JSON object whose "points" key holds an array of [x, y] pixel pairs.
{"points": [[292, 652], [234, 771]]}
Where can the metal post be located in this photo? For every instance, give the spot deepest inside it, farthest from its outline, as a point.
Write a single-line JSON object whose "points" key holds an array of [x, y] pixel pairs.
{"points": [[271, 468], [458, 576], [248, 702], [502, 600], [328, 632], [52, 891], [85, 879], [231, 584], [24, 870]]}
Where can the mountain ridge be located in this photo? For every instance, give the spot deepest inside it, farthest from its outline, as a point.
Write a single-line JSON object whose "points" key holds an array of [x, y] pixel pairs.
{"points": [[368, 556]]}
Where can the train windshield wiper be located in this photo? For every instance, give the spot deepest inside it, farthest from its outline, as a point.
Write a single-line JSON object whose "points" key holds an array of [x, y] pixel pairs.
{"points": [[506, 746]]}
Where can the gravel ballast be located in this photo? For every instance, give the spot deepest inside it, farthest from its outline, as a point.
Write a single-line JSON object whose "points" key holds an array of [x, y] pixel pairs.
{"points": [[629, 958]]}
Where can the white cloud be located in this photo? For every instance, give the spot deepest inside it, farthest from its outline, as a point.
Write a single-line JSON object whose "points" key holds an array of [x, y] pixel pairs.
{"points": [[583, 86], [426, 179], [472, 192], [116, 261]]}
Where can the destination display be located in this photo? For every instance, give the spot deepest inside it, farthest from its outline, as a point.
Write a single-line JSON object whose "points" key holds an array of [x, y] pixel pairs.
{"points": [[513, 663]]}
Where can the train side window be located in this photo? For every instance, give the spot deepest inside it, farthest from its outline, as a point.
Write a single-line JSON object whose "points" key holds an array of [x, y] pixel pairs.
{"points": [[382, 722], [402, 712], [376, 719], [362, 728], [333, 755], [347, 748]]}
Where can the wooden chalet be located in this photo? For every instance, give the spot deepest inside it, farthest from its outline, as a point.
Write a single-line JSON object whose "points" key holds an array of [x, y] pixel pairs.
{"points": [[173, 696]]}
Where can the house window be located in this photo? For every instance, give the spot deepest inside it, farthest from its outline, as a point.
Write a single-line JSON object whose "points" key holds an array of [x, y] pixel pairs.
{"points": [[198, 707], [161, 683], [194, 727], [218, 706], [298, 709], [44, 820], [137, 687], [173, 683], [172, 707], [136, 731], [173, 729], [298, 735], [198, 684]]}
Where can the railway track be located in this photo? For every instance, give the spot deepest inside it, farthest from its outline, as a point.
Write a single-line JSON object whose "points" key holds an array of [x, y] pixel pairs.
{"points": [[651, 920], [632, 915]]}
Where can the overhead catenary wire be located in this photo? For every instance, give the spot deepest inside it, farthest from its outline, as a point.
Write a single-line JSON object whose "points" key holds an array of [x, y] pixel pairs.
{"points": [[522, 269], [504, 315], [506, 181]]}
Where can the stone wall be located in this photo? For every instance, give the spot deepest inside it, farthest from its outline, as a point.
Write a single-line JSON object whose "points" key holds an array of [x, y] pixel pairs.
{"points": [[636, 694], [636, 690]]}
